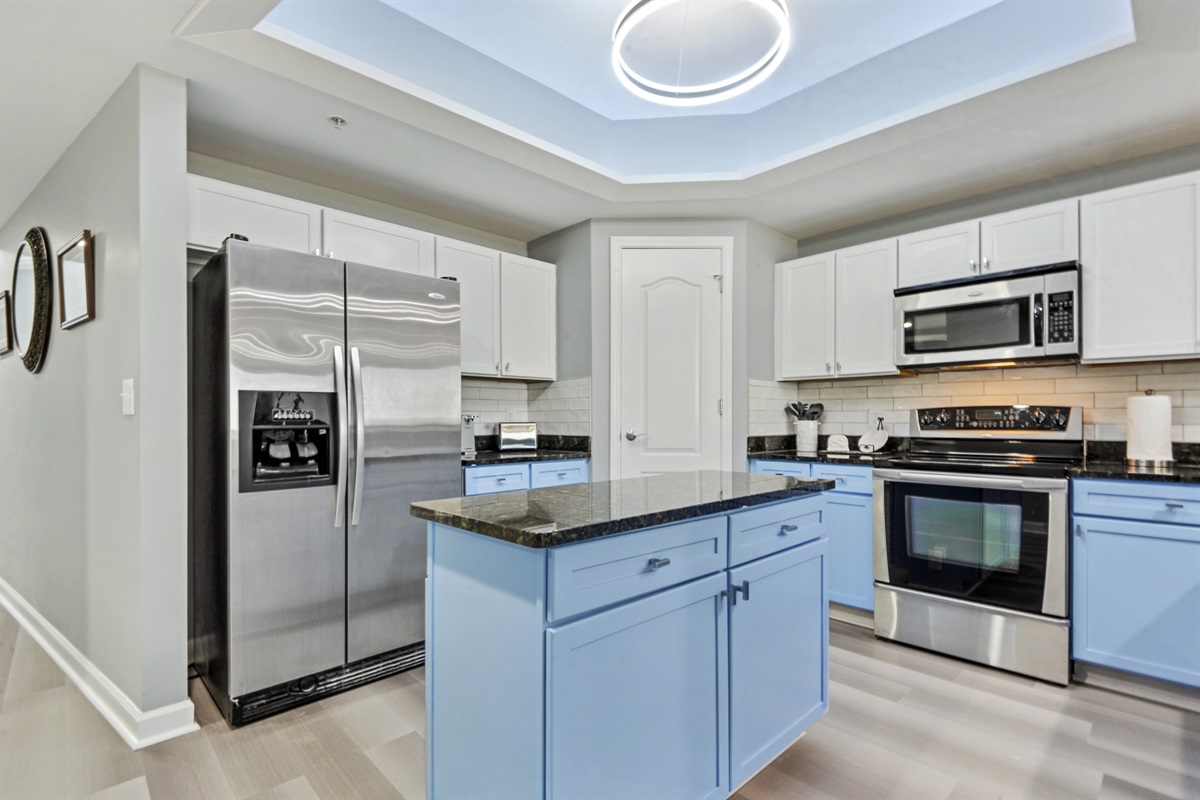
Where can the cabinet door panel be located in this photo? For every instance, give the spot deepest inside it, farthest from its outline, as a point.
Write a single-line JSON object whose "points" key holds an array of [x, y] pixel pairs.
{"points": [[637, 698], [866, 281], [804, 299], [350, 237], [528, 324], [1030, 237], [1136, 598], [851, 553], [217, 209], [477, 270], [1141, 270], [778, 650], [940, 254]]}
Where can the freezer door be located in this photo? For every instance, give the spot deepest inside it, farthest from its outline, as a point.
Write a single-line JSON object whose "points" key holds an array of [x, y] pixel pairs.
{"points": [[286, 556], [403, 334]]}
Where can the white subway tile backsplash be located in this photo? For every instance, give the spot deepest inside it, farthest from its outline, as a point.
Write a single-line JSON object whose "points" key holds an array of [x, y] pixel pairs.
{"points": [[983, 400], [1114, 370], [1012, 387], [1127, 383], [970, 375], [1034, 373], [895, 390], [862, 404], [1175, 367], [847, 392], [1184, 381], [949, 389]]}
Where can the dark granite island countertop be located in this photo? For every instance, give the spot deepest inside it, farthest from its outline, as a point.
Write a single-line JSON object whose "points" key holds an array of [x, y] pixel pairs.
{"points": [[541, 518]]}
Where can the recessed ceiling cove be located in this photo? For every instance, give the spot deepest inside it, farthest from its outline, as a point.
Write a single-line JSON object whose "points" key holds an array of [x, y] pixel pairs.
{"points": [[542, 70]]}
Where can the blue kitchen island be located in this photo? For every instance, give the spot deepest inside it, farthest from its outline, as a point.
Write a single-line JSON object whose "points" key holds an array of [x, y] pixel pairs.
{"points": [[658, 637]]}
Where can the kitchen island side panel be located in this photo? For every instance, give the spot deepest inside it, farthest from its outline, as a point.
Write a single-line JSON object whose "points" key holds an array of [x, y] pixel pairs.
{"points": [[485, 667]]}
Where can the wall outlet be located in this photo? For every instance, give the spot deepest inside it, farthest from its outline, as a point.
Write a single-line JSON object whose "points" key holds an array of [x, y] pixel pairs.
{"points": [[127, 397], [510, 415]]}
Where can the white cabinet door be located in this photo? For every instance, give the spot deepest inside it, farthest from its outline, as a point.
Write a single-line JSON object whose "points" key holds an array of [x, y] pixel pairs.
{"points": [[804, 316], [528, 324], [1030, 237], [217, 209], [350, 237], [1140, 270], [940, 254], [865, 282], [477, 270]]}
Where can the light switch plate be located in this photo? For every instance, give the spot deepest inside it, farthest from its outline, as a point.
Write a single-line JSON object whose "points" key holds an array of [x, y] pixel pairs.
{"points": [[127, 397]]}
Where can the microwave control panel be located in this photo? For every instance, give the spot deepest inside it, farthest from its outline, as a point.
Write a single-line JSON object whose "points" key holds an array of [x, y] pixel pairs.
{"points": [[1009, 418], [1060, 319]]}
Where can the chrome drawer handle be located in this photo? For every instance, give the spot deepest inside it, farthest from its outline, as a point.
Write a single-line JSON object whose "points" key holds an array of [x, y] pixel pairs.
{"points": [[655, 563], [734, 589], [1174, 505], [562, 474], [784, 530], [501, 480], [840, 480]]}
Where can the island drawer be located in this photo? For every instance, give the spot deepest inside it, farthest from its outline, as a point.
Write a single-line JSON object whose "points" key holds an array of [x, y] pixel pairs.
{"points": [[769, 529], [600, 572], [495, 478], [1143, 501]]}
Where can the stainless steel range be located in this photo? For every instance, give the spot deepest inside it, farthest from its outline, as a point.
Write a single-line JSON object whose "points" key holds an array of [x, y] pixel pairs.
{"points": [[971, 547]]}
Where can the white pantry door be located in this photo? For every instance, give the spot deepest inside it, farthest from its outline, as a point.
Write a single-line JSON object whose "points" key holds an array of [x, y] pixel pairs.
{"points": [[670, 378]]}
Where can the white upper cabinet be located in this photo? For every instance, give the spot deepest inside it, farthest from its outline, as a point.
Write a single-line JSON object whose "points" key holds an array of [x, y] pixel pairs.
{"points": [[950, 252], [528, 323], [477, 270], [350, 237], [1030, 237], [865, 282], [217, 209], [804, 318], [1140, 270]]}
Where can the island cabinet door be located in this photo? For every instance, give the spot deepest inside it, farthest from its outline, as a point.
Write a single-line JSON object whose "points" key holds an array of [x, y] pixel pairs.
{"points": [[637, 698], [778, 645]]}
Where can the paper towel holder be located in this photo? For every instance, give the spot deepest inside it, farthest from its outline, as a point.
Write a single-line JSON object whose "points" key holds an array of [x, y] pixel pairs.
{"points": [[1150, 465]]}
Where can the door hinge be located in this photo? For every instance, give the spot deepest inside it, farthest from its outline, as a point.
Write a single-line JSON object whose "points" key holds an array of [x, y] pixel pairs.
{"points": [[720, 279], [720, 408]]}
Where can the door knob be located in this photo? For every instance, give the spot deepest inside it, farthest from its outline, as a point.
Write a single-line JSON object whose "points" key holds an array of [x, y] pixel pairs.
{"points": [[630, 435]]}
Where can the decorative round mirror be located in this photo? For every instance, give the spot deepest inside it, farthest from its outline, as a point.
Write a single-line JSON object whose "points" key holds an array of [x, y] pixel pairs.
{"points": [[31, 301]]}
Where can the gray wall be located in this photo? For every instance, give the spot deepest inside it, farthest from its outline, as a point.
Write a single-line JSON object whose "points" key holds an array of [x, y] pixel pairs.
{"points": [[1107, 176], [94, 529]]}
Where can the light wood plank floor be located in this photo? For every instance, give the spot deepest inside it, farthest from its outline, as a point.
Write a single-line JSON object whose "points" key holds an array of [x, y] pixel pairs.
{"points": [[903, 723]]}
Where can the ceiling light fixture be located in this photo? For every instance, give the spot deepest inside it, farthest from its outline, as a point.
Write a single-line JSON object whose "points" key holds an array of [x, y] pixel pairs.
{"points": [[701, 94]]}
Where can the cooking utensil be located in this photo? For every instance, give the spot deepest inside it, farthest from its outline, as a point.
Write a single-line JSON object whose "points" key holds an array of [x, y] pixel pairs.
{"points": [[814, 411], [790, 408]]}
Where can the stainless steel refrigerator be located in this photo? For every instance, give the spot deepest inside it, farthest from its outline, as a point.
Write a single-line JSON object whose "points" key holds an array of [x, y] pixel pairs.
{"points": [[325, 399]]}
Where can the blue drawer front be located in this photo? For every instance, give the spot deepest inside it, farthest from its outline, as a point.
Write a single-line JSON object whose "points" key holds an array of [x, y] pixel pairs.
{"points": [[792, 469], [768, 529], [495, 478], [558, 473], [846, 478], [598, 573], [1147, 501]]}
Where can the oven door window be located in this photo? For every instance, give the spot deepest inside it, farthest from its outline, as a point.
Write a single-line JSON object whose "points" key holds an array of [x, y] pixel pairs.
{"points": [[978, 326], [986, 545]]}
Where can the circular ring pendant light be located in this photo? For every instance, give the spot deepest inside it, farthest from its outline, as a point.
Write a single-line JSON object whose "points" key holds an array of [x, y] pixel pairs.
{"points": [[700, 94]]}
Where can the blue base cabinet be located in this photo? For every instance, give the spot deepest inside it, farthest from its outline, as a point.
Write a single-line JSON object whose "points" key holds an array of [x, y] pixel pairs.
{"points": [[1136, 578], [496, 478], [850, 528], [674, 661]]}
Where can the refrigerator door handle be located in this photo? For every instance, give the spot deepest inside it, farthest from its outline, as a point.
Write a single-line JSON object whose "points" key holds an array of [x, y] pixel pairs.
{"points": [[339, 382], [360, 435]]}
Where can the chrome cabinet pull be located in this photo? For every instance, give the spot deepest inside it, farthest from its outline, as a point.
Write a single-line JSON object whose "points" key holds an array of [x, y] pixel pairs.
{"points": [[986, 264], [360, 435], [507, 366], [498, 370], [562, 474], [840, 480], [501, 479], [839, 366], [744, 589], [1078, 530], [339, 384], [784, 530], [974, 266], [656, 563], [1174, 506], [828, 367]]}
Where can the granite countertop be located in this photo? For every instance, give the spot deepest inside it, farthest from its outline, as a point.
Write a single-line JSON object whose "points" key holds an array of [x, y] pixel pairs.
{"points": [[483, 457], [1117, 470], [825, 457], [559, 515]]}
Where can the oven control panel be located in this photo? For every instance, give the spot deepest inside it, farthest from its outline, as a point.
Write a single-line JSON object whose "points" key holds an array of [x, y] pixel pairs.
{"points": [[984, 418]]}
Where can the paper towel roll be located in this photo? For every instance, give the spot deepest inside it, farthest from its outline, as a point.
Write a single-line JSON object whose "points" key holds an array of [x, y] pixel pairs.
{"points": [[1148, 428]]}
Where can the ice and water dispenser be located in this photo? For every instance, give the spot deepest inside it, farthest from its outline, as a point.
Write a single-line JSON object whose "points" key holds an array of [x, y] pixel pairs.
{"points": [[287, 440]]}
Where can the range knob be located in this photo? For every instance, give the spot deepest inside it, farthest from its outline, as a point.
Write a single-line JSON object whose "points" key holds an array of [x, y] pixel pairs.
{"points": [[1058, 419], [943, 417], [1038, 416], [926, 418]]}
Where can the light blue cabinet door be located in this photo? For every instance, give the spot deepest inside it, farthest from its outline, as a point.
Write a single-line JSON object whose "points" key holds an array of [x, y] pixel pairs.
{"points": [[851, 551], [778, 651], [792, 469], [1136, 597], [637, 699]]}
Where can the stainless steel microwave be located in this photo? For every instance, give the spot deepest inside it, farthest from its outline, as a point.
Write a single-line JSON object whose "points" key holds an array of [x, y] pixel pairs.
{"points": [[1016, 319]]}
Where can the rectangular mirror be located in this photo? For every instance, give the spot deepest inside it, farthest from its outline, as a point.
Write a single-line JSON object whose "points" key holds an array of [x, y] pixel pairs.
{"points": [[76, 281], [5, 328]]}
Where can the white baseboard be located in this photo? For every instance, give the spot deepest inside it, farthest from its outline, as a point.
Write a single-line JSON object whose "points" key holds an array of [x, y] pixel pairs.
{"points": [[137, 727]]}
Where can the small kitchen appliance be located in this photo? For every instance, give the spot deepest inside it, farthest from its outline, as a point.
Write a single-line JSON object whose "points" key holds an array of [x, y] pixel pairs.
{"points": [[971, 551], [468, 435], [518, 436]]}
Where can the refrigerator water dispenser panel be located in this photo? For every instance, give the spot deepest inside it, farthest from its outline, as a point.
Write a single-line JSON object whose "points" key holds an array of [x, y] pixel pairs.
{"points": [[287, 440]]}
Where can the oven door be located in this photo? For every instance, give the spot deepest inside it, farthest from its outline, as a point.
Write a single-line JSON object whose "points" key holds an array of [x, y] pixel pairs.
{"points": [[1000, 541], [996, 321]]}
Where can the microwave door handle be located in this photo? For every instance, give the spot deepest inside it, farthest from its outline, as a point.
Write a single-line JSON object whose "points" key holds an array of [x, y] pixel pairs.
{"points": [[343, 410], [1039, 313], [360, 435]]}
